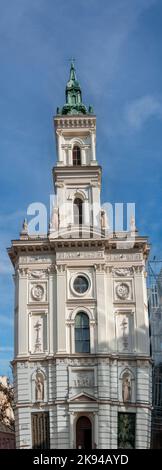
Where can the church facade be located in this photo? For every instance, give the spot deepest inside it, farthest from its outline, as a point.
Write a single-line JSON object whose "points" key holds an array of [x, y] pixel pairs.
{"points": [[82, 367]]}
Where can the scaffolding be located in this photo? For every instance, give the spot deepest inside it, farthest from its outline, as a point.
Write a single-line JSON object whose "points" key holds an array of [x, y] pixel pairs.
{"points": [[155, 316]]}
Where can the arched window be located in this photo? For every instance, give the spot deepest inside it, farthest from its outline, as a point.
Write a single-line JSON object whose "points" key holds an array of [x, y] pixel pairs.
{"points": [[82, 333], [78, 213], [76, 156]]}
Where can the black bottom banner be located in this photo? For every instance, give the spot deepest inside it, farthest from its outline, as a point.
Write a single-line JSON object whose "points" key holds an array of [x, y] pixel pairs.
{"points": [[69, 459]]}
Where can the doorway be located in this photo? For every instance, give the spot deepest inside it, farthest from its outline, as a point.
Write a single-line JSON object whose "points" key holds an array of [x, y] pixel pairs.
{"points": [[83, 433]]}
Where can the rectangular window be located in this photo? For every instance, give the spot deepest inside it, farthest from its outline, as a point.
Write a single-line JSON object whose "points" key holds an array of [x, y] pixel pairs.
{"points": [[126, 430], [154, 297], [158, 392], [40, 431]]}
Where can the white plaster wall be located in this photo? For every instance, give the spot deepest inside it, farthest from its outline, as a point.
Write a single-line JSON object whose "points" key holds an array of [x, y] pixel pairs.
{"points": [[107, 391], [60, 307]]}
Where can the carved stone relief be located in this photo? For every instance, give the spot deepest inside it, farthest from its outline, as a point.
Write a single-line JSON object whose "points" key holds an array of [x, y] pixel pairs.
{"points": [[68, 123], [138, 269], [83, 382], [37, 292], [61, 268], [125, 332], [124, 257], [21, 365], [126, 388], [39, 274], [38, 345], [22, 272], [39, 387], [101, 268], [122, 272], [123, 291], [82, 378], [39, 259], [80, 254], [77, 362], [38, 333]]}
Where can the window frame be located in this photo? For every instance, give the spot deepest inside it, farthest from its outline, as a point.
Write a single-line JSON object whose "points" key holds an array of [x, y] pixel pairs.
{"points": [[82, 331], [73, 277], [76, 154], [79, 214]]}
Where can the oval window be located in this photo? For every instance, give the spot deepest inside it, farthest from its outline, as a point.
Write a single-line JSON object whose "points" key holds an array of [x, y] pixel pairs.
{"points": [[81, 284]]}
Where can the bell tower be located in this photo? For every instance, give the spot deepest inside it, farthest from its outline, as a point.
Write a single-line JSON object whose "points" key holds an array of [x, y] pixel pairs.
{"points": [[77, 175]]}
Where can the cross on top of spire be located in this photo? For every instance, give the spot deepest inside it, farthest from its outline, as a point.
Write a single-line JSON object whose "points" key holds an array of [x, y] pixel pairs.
{"points": [[72, 60]]}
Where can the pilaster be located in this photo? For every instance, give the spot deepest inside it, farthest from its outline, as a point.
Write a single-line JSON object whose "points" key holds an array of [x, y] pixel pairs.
{"points": [[52, 311], [61, 302], [101, 308], [93, 146], [142, 332], [22, 312]]}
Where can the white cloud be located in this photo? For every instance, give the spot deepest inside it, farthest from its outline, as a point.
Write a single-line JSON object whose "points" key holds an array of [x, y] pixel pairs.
{"points": [[141, 109]]}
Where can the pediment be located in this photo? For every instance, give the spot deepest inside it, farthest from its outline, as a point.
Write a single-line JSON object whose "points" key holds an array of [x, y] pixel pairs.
{"points": [[82, 397]]}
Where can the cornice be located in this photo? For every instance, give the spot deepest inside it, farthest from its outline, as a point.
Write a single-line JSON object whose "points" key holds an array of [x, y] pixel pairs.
{"points": [[37, 246], [134, 357], [75, 122], [86, 170]]}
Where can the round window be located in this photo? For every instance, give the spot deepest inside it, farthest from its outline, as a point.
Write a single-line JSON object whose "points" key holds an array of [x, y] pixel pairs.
{"points": [[81, 284]]}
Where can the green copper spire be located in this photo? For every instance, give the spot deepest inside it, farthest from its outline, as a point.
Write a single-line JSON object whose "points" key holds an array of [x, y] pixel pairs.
{"points": [[73, 95]]}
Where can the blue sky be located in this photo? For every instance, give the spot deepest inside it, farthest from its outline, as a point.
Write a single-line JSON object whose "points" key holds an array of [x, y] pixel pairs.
{"points": [[117, 46]]}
